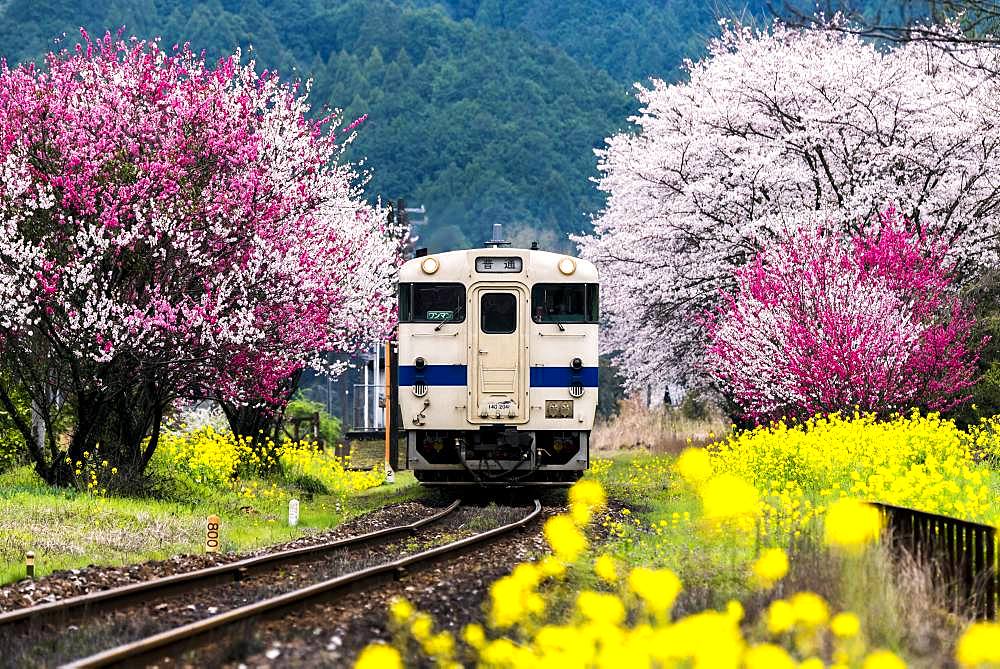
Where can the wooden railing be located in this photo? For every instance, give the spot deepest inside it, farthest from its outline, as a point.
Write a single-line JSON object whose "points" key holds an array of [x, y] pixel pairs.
{"points": [[962, 555]]}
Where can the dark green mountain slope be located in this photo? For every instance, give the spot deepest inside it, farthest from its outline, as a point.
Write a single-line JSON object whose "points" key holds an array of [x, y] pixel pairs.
{"points": [[479, 124], [629, 39]]}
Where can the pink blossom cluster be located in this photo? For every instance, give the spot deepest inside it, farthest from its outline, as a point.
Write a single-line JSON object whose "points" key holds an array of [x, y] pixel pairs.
{"points": [[818, 323], [188, 218]]}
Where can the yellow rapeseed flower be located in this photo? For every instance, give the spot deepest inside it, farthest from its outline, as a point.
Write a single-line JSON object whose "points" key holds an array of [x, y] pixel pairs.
{"points": [[809, 609], [401, 610], [770, 567], [780, 617], [694, 465], [551, 567], [605, 568], [708, 639], [379, 656], [585, 498], [979, 645], [768, 656], [474, 635], [565, 538], [851, 524], [513, 598], [658, 588], [440, 646], [421, 627], [500, 653], [883, 659], [600, 607], [728, 498], [845, 625]]}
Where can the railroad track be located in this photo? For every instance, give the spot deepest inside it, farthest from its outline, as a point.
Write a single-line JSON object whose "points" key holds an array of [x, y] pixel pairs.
{"points": [[75, 608], [202, 632]]}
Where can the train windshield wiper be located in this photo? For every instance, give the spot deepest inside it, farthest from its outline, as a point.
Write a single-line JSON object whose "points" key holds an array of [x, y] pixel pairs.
{"points": [[455, 315]]}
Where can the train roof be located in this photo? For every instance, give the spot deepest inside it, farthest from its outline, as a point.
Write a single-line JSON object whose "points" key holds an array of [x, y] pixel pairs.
{"points": [[489, 264]]}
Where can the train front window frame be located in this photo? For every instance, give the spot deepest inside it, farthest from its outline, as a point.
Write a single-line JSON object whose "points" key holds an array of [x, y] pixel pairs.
{"points": [[565, 303], [500, 315], [431, 302]]}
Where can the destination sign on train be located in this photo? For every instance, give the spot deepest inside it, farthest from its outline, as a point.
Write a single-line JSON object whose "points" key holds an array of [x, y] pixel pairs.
{"points": [[486, 264]]}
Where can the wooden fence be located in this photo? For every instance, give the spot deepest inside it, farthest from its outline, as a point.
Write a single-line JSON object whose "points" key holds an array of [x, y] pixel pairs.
{"points": [[962, 555]]}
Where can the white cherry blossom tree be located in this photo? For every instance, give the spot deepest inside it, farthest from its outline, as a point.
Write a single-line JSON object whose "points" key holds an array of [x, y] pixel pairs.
{"points": [[775, 130]]}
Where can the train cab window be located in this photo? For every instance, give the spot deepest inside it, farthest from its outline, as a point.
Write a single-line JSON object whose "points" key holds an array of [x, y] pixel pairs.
{"points": [[498, 313], [564, 303], [431, 303]]}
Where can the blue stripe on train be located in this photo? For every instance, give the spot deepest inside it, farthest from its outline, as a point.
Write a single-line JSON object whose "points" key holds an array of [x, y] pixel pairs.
{"points": [[561, 377], [434, 375], [456, 375]]}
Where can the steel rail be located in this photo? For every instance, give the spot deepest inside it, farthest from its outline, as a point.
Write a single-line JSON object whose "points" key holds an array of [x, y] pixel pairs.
{"points": [[171, 642], [103, 600]]}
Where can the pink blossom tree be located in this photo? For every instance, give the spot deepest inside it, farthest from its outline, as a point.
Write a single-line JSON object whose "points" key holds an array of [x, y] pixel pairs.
{"points": [[170, 229], [771, 132], [818, 323]]}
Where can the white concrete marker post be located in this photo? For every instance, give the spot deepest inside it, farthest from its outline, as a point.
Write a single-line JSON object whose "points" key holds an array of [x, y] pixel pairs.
{"points": [[293, 512], [390, 476]]}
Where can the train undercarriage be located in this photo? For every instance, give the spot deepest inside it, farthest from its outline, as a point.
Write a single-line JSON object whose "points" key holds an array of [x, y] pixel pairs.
{"points": [[498, 455]]}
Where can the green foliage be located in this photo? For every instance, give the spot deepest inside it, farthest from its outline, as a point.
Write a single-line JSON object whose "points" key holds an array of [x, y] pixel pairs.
{"points": [[610, 389], [308, 483], [630, 39], [983, 294], [329, 426], [695, 406], [12, 446]]}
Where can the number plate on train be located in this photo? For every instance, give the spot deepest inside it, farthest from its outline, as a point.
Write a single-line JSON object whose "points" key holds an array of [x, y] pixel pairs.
{"points": [[558, 408]]}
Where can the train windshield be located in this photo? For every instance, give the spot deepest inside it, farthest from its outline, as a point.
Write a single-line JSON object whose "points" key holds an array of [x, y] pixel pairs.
{"points": [[431, 302], [564, 303]]}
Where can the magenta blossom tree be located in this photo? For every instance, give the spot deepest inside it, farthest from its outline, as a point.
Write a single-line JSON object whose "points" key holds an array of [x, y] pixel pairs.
{"points": [[818, 323], [170, 229]]}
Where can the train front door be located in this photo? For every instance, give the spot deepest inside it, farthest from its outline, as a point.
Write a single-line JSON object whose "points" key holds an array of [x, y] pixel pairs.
{"points": [[498, 389]]}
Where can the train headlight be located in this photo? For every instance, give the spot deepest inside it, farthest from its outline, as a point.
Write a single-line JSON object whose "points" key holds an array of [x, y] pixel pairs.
{"points": [[419, 379], [567, 266], [576, 378], [430, 265]]}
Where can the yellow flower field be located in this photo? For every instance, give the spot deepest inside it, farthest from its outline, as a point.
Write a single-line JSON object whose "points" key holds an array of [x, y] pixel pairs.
{"points": [[628, 620], [220, 459], [736, 517]]}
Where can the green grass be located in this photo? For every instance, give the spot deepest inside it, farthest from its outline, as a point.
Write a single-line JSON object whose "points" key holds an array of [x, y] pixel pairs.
{"points": [[662, 531], [69, 529]]}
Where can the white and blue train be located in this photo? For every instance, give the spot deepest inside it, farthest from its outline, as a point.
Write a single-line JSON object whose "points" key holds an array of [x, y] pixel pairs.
{"points": [[498, 365]]}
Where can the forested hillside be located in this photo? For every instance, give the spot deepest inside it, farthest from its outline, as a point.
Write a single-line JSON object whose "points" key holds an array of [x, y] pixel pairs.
{"points": [[630, 39], [482, 110]]}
